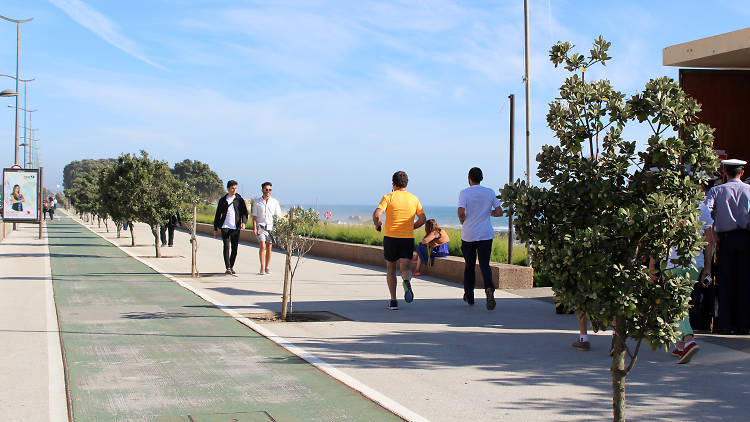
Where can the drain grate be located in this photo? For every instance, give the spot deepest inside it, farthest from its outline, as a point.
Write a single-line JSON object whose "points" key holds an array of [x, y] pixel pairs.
{"points": [[307, 316], [260, 416]]}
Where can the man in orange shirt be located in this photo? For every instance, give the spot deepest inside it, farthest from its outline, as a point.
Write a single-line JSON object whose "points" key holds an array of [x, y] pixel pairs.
{"points": [[400, 208]]}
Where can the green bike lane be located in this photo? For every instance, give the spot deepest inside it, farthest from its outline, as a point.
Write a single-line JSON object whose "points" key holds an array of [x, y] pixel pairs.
{"points": [[139, 347]]}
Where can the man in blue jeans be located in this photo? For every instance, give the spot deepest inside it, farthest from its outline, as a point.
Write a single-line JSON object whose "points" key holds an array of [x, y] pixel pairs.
{"points": [[476, 204]]}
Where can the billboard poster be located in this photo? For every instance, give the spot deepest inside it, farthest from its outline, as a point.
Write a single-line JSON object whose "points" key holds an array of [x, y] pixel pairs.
{"points": [[21, 194]]}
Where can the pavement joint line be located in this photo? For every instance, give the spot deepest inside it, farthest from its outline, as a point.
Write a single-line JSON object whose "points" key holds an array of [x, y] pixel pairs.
{"points": [[57, 382], [372, 394]]}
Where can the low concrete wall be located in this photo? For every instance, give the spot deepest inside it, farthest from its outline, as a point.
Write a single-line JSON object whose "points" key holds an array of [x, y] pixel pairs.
{"points": [[450, 268]]}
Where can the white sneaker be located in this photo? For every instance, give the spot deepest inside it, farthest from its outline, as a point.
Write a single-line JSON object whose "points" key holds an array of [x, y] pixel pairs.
{"points": [[261, 272], [268, 272]]}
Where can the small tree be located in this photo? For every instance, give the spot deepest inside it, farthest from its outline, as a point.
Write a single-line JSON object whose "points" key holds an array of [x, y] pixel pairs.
{"points": [[293, 233], [145, 191], [608, 209]]}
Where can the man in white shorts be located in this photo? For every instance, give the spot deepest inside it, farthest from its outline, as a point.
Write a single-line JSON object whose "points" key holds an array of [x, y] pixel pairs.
{"points": [[264, 209]]}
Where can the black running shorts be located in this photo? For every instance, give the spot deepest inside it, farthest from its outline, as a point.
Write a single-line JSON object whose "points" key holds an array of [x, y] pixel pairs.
{"points": [[395, 248]]}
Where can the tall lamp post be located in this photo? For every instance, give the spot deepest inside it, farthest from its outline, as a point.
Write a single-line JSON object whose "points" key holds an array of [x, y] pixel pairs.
{"points": [[26, 138], [18, 42]]}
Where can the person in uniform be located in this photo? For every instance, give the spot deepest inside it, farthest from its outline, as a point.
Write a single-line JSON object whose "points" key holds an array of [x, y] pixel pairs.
{"points": [[729, 204]]}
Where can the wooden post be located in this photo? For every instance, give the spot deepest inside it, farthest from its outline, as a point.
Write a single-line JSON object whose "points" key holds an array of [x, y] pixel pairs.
{"points": [[287, 270], [194, 242]]}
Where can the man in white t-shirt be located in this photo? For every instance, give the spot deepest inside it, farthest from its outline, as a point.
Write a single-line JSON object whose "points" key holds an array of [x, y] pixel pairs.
{"points": [[264, 209], [476, 204]]}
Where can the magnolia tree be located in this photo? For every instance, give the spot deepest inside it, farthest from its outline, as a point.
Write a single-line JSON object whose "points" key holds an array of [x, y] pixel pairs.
{"points": [[606, 209], [293, 233]]}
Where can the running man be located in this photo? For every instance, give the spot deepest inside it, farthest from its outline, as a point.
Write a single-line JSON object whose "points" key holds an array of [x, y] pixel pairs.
{"points": [[400, 208]]}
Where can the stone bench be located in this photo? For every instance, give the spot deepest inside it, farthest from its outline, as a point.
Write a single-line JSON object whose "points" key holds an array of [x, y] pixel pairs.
{"points": [[450, 268]]}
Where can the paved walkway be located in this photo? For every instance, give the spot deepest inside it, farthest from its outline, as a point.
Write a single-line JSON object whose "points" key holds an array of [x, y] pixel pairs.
{"points": [[32, 383], [435, 358], [140, 347]]}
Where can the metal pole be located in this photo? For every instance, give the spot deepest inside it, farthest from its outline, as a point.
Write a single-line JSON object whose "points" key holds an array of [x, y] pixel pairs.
{"points": [[18, 42], [25, 139], [528, 102], [510, 213]]}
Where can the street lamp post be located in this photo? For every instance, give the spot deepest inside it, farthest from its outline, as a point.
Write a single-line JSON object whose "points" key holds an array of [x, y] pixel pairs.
{"points": [[18, 43], [25, 144]]}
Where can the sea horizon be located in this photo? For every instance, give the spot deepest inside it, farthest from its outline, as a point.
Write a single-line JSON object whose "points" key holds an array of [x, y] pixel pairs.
{"points": [[445, 215]]}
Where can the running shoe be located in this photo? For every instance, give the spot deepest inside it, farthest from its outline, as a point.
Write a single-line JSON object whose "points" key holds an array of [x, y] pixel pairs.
{"points": [[490, 292], [408, 292], [687, 354], [469, 299], [233, 272], [582, 345], [228, 272], [393, 305], [677, 352]]}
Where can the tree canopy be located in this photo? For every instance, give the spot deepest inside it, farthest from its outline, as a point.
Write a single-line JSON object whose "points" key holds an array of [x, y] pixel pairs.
{"points": [[607, 209], [200, 179]]}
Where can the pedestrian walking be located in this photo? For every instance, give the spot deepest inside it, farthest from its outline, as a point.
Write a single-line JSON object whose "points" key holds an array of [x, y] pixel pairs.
{"points": [[172, 221], [44, 209], [476, 204], [231, 217], [51, 206], [400, 208], [729, 204], [265, 209]]}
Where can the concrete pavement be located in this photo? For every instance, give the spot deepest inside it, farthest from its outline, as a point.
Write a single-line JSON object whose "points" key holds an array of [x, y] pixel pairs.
{"points": [[32, 382], [446, 361]]}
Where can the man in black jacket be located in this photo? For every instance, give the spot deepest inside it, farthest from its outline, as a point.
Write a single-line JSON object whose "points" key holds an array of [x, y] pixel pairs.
{"points": [[231, 217], [168, 227]]}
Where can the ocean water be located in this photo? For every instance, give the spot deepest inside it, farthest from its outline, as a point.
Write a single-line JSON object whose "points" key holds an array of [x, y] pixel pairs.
{"points": [[362, 214]]}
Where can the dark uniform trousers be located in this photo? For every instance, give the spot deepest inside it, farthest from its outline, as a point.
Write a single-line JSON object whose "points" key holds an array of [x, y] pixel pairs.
{"points": [[733, 259]]}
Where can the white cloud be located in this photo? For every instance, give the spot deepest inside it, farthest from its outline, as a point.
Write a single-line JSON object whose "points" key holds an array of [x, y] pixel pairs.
{"points": [[102, 26], [407, 80]]}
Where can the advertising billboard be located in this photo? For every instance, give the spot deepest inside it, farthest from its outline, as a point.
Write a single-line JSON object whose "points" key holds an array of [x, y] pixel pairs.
{"points": [[21, 195]]}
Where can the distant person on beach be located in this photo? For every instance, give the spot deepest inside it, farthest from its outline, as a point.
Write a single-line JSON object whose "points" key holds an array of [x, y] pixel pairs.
{"points": [[476, 204], [231, 217], [433, 245], [264, 209], [400, 208], [16, 199]]}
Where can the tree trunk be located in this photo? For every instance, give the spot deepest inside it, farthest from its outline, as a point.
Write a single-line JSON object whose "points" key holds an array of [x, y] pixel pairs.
{"points": [[118, 226], [287, 273], [618, 371], [99, 221], [155, 232], [106, 225], [132, 235], [285, 296]]}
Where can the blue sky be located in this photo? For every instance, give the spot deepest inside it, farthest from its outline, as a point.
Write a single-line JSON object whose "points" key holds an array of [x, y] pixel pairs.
{"points": [[324, 98]]}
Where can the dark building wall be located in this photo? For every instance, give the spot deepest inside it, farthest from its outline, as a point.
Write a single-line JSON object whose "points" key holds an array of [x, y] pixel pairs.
{"points": [[724, 96]]}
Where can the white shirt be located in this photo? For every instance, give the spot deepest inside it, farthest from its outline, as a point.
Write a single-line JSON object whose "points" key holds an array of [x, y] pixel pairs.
{"points": [[479, 202], [264, 211], [229, 220]]}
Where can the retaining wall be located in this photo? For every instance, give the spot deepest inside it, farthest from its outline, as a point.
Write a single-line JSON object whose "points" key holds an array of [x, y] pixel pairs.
{"points": [[450, 268]]}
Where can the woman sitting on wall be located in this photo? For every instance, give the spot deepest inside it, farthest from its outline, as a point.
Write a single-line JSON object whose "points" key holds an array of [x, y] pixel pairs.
{"points": [[434, 244]]}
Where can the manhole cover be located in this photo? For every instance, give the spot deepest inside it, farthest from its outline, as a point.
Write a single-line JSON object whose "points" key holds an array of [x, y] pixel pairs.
{"points": [[308, 316], [261, 416]]}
